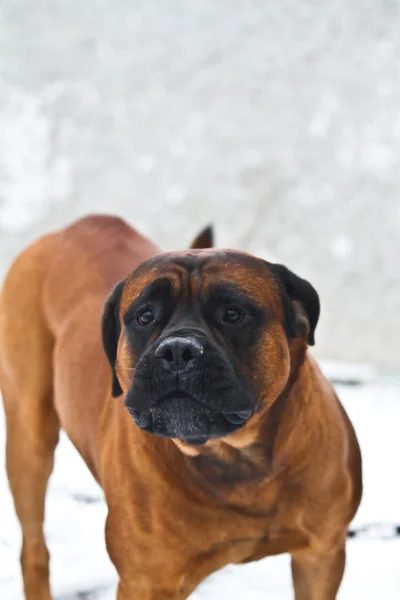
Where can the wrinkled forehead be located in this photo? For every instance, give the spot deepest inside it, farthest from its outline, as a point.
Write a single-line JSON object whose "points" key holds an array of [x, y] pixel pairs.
{"points": [[202, 272]]}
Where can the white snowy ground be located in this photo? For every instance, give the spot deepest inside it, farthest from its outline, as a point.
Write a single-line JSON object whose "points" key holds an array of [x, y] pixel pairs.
{"points": [[76, 514]]}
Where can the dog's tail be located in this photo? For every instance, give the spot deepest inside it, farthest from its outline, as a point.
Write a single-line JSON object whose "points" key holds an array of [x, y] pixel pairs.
{"points": [[204, 239]]}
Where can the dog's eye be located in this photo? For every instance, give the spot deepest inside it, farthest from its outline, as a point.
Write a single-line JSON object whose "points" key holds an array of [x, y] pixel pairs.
{"points": [[145, 317], [232, 315]]}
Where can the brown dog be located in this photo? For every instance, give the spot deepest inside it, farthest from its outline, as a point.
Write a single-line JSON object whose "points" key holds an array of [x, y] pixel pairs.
{"points": [[226, 443]]}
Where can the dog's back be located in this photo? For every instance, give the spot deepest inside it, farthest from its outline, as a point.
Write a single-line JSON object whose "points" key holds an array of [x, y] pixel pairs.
{"points": [[42, 295]]}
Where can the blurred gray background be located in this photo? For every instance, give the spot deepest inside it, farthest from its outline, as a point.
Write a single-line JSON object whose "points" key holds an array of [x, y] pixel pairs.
{"points": [[277, 120]]}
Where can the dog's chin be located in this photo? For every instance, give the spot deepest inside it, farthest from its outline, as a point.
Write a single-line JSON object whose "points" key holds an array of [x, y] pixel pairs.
{"points": [[183, 417]]}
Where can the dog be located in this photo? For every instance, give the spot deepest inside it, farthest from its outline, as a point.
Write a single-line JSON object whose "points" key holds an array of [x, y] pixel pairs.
{"points": [[184, 381]]}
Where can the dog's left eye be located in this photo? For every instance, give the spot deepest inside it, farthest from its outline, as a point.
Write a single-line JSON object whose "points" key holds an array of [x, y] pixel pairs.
{"points": [[145, 317], [232, 315]]}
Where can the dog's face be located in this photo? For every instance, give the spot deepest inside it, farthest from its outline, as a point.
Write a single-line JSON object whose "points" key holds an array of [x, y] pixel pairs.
{"points": [[199, 340]]}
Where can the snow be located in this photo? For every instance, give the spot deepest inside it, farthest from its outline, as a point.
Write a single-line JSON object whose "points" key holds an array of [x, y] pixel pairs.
{"points": [[76, 512], [32, 175]]}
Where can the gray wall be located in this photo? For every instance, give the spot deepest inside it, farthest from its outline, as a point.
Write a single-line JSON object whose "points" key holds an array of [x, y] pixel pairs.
{"points": [[277, 120]]}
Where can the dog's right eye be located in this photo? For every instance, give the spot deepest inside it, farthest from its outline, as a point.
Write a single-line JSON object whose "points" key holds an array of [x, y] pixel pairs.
{"points": [[145, 317]]}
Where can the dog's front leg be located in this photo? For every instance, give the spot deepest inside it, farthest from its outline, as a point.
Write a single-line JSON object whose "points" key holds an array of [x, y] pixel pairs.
{"points": [[318, 576], [147, 570]]}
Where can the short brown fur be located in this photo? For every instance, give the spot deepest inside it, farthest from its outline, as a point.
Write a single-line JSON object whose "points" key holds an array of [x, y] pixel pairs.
{"points": [[289, 481]]}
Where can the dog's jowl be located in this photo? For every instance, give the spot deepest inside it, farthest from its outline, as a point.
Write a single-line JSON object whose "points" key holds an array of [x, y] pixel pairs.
{"points": [[184, 381]]}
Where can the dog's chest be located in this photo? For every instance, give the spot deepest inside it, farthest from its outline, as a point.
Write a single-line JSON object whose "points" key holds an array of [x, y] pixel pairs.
{"points": [[261, 525], [272, 541]]}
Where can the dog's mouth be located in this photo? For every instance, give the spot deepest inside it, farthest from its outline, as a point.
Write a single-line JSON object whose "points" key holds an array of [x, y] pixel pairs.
{"points": [[186, 417]]}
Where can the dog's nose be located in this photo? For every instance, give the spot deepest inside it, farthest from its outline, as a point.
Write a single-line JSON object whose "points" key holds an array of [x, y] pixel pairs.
{"points": [[178, 353]]}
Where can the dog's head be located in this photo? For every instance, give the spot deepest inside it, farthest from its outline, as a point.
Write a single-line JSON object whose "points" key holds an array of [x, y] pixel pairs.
{"points": [[199, 341]]}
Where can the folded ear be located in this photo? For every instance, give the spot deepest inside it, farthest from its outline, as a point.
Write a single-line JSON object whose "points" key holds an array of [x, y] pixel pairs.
{"points": [[205, 239], [298, 291], [111, 329]]}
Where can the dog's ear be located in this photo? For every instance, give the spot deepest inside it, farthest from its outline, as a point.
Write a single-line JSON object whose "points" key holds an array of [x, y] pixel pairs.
{"points": [[298, 291], [111, 329], [205, 239]]}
